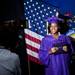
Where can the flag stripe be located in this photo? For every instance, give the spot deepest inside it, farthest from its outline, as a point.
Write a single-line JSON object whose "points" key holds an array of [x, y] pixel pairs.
{"points": [[32, 38], [33, 44], [32, 48], [34, 59], [32, 53]]}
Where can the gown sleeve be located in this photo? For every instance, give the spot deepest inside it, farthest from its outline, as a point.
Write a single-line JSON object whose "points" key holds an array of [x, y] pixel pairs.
{"points": [[70, 44], [43, 52]]}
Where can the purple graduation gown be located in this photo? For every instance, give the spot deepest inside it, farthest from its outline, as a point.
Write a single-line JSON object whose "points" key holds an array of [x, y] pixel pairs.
{"points": [[57, 63]]}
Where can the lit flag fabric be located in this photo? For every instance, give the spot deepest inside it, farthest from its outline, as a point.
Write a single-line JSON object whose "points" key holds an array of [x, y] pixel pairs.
{"points": [[36, 14]]}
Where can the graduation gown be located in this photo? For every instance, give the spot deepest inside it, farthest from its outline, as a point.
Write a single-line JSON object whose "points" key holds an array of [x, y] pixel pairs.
{"points": [[57, 63]]}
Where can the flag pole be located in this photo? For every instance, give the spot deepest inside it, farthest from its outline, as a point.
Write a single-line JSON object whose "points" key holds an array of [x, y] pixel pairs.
{"points": [[29, 66], [28, 26], [27, 57]]}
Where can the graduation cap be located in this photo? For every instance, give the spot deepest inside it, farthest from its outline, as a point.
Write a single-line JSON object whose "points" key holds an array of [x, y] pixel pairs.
{"points": [[54, 20]]}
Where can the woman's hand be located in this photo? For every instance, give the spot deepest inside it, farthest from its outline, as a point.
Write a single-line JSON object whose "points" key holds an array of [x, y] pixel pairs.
{"points": [[65, 48], [53, 50]]}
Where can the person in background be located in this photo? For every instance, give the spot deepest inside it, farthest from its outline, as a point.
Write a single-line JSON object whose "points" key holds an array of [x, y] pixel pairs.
{"points": [[55, 49], [9, 61]]}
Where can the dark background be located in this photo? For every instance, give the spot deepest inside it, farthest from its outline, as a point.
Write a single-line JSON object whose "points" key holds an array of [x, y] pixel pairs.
{"points": [[10, 9]]}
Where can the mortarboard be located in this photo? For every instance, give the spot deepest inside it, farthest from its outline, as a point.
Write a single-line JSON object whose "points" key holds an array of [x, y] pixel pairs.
{"points": [[54, 20]]}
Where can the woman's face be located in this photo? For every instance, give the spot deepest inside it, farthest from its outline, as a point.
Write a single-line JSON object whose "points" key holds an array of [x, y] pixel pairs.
{"points": [[54, 28]]}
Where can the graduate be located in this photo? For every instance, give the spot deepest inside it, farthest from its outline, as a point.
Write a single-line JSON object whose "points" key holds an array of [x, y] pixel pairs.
{"points": [[55, 49]]}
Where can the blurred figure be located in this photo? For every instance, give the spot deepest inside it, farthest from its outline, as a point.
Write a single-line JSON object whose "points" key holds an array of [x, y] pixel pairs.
{"points": [[9, 62]]}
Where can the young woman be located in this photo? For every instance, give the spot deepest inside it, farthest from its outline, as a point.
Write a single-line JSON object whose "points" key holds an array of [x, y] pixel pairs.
{"points": [[55, 50]]}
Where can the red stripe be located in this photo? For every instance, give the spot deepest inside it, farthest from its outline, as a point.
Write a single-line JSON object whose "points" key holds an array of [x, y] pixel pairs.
{"points": [[33, 59], [31, 48], [32, 38]]}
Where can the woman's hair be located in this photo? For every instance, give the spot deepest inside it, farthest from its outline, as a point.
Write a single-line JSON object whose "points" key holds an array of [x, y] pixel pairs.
{"points": [[62, 27]]}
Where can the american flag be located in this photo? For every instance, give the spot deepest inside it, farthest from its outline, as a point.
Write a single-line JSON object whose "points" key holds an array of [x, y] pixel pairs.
{"points": [[36, 13]]}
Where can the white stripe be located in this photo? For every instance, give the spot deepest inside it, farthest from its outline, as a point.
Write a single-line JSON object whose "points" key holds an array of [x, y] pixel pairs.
{"points": [[32, 53], [31, 43], [33, 34]]}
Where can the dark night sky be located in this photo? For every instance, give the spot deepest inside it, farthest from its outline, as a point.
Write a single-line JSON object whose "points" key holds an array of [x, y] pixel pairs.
{"points": [[11, 8]]}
